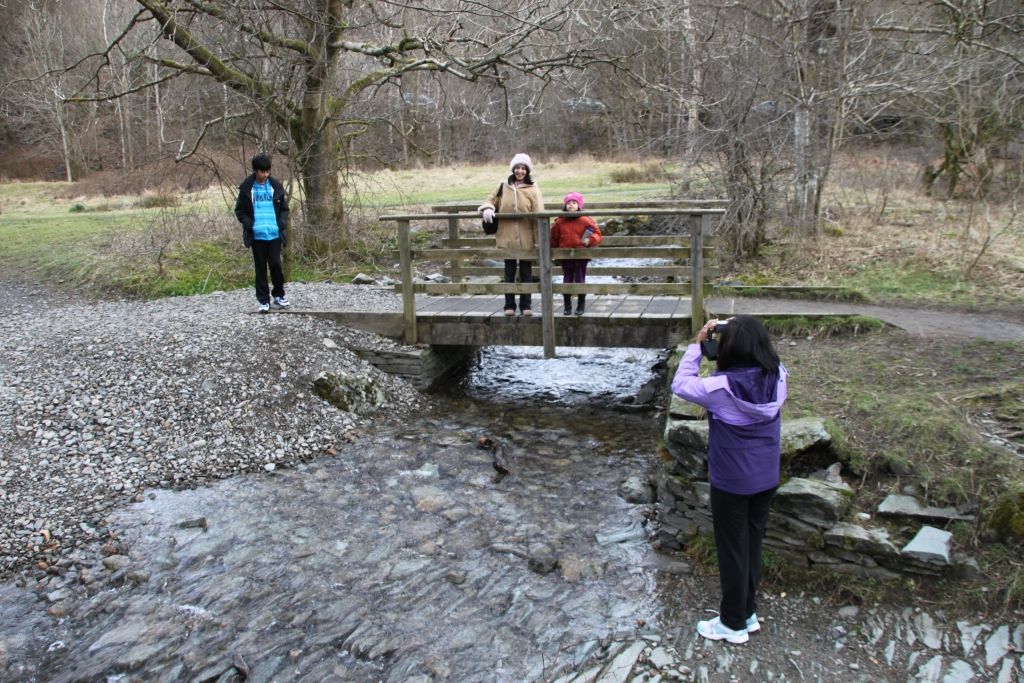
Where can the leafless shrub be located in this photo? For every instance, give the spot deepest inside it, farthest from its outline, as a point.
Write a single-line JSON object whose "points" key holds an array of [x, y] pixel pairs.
{"points": [[167, 230]]}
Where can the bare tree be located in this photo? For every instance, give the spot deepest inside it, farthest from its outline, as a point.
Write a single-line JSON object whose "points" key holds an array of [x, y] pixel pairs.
{"points": [[304, 64], [48, 38], [967, 68]]}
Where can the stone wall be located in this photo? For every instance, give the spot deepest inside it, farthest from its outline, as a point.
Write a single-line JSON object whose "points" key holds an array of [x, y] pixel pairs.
{"points": [[813, 519]]}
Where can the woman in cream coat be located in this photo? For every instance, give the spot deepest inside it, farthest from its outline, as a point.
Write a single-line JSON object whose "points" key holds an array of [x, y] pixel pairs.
{"points": [[519, 194]]}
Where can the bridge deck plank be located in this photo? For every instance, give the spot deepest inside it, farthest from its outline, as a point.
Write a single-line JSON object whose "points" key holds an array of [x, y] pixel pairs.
{"points": [[602, 306], [661, 307], [484, 307], [632, 307], [435, 305]]}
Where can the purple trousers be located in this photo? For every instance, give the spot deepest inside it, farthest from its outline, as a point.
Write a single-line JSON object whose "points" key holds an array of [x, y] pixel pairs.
{"points": [[574, 270]]}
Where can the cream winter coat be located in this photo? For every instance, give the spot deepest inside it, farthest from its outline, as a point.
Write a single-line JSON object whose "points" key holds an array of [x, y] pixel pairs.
{"points": [[515, 233]]}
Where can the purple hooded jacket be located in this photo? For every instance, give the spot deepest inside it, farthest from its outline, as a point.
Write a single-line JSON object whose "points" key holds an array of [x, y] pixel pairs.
{"points": [[744, 422]]}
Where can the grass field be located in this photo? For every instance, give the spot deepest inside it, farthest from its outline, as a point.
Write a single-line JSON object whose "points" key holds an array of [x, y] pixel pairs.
{"points": [[191, 244]]}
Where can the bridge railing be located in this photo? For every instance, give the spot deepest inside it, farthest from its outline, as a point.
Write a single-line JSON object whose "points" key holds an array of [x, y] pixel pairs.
{"points": [[685, 276]]}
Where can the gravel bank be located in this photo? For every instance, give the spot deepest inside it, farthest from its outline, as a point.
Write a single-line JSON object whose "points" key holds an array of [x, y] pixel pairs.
{"points": [[100, 400]]}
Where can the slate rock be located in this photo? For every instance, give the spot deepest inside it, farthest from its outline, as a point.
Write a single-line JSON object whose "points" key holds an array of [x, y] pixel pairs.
{"points": [[897, 505], [874, 542], [812, 501], [931, 546], [636, 490]]}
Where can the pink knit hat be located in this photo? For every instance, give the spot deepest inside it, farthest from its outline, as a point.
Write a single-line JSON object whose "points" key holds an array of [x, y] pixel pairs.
{"points": [[573, 197]]}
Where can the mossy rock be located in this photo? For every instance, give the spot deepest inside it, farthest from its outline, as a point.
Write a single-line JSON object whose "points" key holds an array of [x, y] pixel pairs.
{"points": [[1007, 519], [358, 395]]}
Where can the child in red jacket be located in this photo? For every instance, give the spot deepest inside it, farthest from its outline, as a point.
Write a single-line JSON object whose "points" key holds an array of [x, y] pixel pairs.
{"points": [[574, 232]]}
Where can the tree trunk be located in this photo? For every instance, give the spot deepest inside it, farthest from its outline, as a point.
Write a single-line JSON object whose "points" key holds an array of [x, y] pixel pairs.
{"points": [[691, 104], [318, 166], [805, 185], [65, 140]]}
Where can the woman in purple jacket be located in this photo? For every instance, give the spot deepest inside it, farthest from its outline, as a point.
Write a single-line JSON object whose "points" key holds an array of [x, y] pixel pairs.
{"points": [[743, 397]]}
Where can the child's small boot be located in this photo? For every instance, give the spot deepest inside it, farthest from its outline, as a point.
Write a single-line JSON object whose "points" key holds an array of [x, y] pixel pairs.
{"points": [[567, 300], [580, 306]]}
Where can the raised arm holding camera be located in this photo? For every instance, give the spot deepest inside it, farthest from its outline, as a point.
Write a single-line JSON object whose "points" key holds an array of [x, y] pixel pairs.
{"points": [[743, 397]]}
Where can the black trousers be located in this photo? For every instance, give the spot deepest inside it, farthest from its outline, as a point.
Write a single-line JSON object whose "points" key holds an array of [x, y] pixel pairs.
{"points": [[267, 253], [740, 523], [525, 275]]}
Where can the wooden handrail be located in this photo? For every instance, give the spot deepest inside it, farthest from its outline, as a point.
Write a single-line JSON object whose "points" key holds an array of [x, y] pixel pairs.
{"points": [[647, 204], [554, 214]]}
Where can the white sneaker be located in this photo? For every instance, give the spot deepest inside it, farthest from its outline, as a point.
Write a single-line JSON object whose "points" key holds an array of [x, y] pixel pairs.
{"points": [[264, 308], [282, 302], [714, 629], [753, 625]]}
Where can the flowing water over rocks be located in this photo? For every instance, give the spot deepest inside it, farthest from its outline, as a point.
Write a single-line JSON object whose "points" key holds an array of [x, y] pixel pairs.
{"points": [[401, 554]]}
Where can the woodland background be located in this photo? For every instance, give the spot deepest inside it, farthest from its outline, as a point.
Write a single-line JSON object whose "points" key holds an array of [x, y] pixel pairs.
{"points": [[751, 100]]}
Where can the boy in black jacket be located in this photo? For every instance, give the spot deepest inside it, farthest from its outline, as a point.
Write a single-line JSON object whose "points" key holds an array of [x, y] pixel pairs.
{"points": [[262, 209]]}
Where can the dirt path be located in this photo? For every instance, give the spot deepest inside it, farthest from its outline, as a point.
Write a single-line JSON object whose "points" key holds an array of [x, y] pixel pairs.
{"points": [[993, 327]]}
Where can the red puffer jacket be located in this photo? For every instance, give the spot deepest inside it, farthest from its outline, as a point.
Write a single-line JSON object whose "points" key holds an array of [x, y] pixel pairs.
{"points": [[567, 233]]}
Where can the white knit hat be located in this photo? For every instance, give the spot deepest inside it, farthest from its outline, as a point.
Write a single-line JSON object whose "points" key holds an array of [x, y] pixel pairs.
{"points": [[521, 160]]}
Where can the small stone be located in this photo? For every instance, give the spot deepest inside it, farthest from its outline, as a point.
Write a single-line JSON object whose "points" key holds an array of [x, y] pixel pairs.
{"points": [[661, 659], [116, 562], [197, 523], [848, 612]]}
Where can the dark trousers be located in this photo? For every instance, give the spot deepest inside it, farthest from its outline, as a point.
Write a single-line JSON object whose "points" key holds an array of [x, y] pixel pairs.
{"points": [[267, 253], [740, 523], [525, 275], [574, 270]]}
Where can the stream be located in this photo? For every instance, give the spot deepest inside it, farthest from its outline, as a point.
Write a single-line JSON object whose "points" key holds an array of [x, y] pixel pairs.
{"points": [[403, 557]]}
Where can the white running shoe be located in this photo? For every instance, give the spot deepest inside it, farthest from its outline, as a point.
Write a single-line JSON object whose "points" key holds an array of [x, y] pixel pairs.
{"points": [[714, 629], [282, 302]]}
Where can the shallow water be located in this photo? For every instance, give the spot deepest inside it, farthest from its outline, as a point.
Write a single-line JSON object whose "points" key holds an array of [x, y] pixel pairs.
{"points": [[584, 378], [406, 554]]}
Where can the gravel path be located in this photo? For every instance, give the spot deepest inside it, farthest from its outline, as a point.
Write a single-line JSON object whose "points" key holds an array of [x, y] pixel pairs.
{"points": [[994, 327], [99, 400]]}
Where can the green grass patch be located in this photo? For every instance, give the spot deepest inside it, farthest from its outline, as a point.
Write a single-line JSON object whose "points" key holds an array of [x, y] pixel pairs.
{"points": [[907, 409], [184, 270], [701, 552], [913, 281], [800, 292], [643, 173], [821, 326]]}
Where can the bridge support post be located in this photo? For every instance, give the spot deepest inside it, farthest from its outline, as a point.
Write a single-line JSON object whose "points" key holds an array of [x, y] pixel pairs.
{"points": [[456, 264], [699, 226], [546, 293], [408, 295]]}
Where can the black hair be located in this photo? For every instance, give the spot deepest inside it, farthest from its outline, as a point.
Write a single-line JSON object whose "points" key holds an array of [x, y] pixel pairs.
{"points": [[261, 162], [745, 342], [526, 179]]}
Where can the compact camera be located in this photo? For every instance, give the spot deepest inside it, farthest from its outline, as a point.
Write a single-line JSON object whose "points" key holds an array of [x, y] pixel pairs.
{"points": [[709, 347]]}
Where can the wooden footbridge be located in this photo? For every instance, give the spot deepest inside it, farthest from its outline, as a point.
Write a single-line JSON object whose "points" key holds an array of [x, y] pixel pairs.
{"points": [[658, 303]]}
